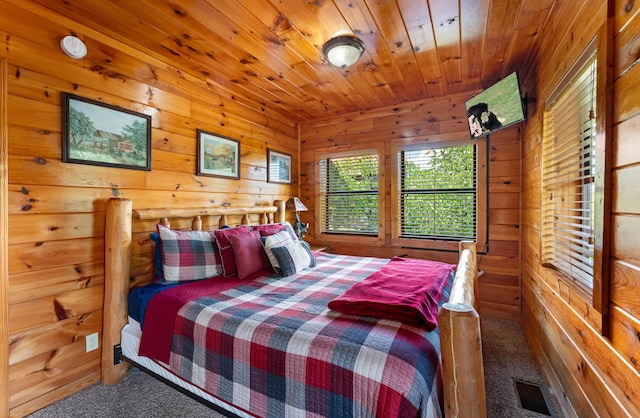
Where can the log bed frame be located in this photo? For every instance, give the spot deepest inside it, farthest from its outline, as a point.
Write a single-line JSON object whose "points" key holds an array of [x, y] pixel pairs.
{"points": [[458, 320]]}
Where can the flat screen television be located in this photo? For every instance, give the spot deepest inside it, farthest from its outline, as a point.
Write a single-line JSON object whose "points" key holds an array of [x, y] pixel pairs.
{"points": [[495, 107]]}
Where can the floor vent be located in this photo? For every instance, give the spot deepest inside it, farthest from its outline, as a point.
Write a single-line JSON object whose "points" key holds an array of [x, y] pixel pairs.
{"points": [[530, 397]]}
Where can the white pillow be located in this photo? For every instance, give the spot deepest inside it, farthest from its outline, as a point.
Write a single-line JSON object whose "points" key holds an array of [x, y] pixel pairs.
{"points": [[294, 257], [269, 242]]}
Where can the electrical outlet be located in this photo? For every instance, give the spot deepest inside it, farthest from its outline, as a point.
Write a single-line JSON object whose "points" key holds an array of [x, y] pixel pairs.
{"points": [[117, 354], [91, 342]]}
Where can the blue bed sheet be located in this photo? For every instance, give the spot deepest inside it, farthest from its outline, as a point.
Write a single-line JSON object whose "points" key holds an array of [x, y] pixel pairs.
{"points": [[140, 297]]}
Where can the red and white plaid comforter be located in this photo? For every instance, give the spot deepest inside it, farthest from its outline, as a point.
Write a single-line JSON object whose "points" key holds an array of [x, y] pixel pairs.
{"points": [[272, 348]]}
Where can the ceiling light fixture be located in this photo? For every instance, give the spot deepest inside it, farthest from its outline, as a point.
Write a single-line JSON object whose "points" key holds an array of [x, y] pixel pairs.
{"points": [[343, 51]]}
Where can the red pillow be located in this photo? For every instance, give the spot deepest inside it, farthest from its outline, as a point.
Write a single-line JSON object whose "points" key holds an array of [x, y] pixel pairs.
{"points": [[267, 229], [249, 253], [226, 251]]}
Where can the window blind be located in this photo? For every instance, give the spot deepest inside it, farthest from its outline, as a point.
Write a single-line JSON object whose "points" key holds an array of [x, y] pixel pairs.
{"points": [[568, 177], [349, 194], [438, 193]]}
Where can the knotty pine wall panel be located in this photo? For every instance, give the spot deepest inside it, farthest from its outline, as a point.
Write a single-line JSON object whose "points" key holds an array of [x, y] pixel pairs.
{"points": [[432, 120], [593, 374], [56, 211]]}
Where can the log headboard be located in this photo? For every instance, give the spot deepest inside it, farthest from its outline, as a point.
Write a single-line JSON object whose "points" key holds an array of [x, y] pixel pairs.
{"points": [[458, 320]]}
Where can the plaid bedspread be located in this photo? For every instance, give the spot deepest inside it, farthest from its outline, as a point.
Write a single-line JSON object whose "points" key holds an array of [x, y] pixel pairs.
{"points": [[272, 348]]}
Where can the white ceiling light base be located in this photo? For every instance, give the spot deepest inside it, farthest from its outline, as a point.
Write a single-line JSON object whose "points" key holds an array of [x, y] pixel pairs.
{"points": [[343, 51], [73, 47]]}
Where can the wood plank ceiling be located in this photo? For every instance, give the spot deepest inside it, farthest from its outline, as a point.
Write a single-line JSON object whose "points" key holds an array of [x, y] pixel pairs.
{"points": [[270, 51]]}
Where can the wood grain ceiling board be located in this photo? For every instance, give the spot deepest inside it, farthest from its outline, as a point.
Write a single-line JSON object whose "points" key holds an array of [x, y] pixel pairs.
{"points": [[531, 19], [503, 15], [445, 19], [473, 25], [269, 52]]}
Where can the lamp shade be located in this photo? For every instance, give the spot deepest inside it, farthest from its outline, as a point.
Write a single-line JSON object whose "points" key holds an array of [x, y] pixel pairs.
{"points": [[298, 206], [343, 51]]}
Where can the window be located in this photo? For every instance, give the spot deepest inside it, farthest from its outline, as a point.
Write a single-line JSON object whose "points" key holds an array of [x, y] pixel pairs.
{"points": [[349, 198], [568, 177], [438, 193]]}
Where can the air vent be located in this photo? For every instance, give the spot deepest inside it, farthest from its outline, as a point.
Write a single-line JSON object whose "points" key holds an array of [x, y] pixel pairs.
{"points": [[530, 397]]}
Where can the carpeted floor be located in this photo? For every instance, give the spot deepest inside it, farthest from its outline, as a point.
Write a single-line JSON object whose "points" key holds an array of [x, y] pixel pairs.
{"points": [[139, 395], [506, 357]]}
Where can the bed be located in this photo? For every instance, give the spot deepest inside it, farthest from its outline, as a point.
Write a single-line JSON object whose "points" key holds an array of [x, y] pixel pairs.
{"points": [[276, 344]]}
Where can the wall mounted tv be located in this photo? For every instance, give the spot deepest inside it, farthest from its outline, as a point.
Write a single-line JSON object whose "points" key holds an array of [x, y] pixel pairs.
{"points": [[495, 107]]}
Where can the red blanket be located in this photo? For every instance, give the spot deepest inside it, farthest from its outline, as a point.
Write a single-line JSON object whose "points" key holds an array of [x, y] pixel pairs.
{"points": [[405, 289], [156, 343]]}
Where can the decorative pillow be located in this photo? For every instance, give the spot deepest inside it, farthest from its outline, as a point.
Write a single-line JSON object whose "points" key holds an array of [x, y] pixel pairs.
{"points": [[279, 239], [267, 229], [270, 227], [157, 255], [187, 255], [289, 228], [226, 250], [294, 257], [249, 253]]}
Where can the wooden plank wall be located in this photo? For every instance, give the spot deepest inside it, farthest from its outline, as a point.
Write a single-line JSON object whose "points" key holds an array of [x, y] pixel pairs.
{"points": [[56, 211], [4, 240], [593, 375], [432, 120]]}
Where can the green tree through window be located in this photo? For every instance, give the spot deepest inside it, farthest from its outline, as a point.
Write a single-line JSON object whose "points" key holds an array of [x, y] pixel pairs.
{"points": [[349, 193], [438, 193]]}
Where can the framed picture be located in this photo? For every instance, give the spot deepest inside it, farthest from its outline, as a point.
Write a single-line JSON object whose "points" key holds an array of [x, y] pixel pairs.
{"points": [[218, 156], [96, 133], [278, 167]]}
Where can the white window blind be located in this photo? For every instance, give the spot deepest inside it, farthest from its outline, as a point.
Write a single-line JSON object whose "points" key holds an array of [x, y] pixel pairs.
{"points": [[438, 193], [349, 194], [568, 177]]}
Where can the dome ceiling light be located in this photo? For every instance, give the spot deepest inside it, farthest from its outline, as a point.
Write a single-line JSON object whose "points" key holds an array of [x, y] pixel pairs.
{"points": [[343, 51]]}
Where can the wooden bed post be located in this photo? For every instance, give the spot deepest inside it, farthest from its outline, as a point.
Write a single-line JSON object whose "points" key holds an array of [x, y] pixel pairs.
{"points": [[117, 257], [461, 344], [280, 215]]}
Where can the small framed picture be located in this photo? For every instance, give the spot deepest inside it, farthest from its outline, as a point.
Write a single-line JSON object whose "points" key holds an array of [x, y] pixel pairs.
{"points": [[278, 167], [218, 156], [96, 133]]}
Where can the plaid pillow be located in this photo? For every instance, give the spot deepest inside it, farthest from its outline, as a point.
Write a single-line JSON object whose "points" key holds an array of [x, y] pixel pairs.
{"points": [[294, 257], [187, 255], [289, 228], [270, 229], [269, 242]]}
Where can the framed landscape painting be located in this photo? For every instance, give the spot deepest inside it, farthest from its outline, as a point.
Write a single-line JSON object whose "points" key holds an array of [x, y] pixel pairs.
{"points": [[218, 156], [96, 133], [278, 167]]}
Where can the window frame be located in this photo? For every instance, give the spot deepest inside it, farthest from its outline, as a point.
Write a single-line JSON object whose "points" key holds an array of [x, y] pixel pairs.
{"points": [[355, 237], [598, 296], [482, 178]]}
